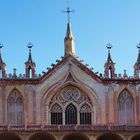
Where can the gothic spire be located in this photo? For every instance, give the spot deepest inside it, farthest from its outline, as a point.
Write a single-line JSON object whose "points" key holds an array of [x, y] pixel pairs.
{"points": [[1, 46], [109, 59], [109, 65], [69, 31], [138, 59], [137, 64], [30, 65], [2, 64], [69, 41], [30, 53]]}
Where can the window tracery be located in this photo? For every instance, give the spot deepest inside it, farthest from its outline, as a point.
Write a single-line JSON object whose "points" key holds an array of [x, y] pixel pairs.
{"points": [[125, 108], [56, 114], [70, 94], [71, 114], [85, 114], [71, 99], [15, 108]]}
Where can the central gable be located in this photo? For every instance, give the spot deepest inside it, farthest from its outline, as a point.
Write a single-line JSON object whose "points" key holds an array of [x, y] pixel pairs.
{"points": [[70, 71], [69, 63]]}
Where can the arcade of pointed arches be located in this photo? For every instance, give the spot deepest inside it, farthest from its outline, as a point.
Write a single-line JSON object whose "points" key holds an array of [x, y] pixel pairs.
{"points": [[67, 136], [70, 106], [64, 108]]}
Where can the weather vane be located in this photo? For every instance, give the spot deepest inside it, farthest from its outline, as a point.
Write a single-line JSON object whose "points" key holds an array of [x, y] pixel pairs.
{"points": [[68, 11]]}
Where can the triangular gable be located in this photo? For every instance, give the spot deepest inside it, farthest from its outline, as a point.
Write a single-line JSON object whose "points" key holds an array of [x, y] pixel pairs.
{"points": [[70, 77]]}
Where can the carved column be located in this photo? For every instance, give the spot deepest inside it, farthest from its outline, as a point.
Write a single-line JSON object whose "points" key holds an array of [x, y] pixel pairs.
{"points": [[47, 115], [4, 103], [78, 117], [34, 106], [137, 110], [116, 109], [63, 118]]}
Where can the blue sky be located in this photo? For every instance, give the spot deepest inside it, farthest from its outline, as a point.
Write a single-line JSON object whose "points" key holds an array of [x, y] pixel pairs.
{"points": [[94, 24]]}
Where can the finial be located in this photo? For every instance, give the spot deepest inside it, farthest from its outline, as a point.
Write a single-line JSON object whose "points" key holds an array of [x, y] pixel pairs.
{"points": [[138, 46], [109, 46], [138, 59], [30, 45], [14, 73], [68, 11], [125, 74], [1, 46]]}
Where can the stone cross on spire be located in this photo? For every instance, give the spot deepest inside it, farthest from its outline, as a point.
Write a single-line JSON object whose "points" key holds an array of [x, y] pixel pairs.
{"points": [[68, 11], [69, 44]]}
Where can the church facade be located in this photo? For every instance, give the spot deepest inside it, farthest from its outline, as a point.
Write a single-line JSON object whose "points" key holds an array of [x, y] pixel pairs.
{"points": [[69, 101]]}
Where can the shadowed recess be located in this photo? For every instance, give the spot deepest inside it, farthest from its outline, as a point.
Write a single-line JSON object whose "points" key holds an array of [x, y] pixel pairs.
{"points": [[75, 137], [109, 136], [136, 137], [9, 136], [42, 136]]}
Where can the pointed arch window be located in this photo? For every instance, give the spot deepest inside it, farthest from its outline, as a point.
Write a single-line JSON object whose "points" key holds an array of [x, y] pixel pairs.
{"points": [[71, 114], [85, 114], [30, 72], [56, 114], [109, 72], [15, 108], [125, 108]]}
